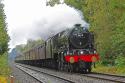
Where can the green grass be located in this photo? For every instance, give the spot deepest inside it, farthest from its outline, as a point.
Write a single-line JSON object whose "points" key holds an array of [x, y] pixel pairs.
{"points": [[4, 67], [109, 69]]}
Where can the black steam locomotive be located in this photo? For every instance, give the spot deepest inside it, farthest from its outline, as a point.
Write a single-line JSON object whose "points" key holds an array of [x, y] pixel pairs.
{"points": [[70, 50]]}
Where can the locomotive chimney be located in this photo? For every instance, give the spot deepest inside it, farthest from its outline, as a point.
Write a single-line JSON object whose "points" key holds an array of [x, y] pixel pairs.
{"points": [[77, 25]]}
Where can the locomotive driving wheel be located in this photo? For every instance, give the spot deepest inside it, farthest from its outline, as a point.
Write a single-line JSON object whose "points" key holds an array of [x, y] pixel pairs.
{"points": [[60, 62], [59, 65], [70, 67], [66, 67]]}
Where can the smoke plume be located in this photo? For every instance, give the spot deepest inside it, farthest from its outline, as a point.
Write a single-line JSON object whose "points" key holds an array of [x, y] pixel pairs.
{"points": [[32, 19]]}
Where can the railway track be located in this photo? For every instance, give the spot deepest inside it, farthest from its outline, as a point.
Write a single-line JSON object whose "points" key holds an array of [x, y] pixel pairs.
{"points": [[113, 78], [83, 78], [42, 77]]}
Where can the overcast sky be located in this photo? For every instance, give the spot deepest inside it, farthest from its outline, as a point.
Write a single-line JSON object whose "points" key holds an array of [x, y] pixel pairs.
{"points": [[32, 19]]}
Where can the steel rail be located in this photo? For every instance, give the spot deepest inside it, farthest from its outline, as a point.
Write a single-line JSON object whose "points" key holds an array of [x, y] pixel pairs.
{"points": [[109, 77], [102, 76], [47, 74], [29, 74]]}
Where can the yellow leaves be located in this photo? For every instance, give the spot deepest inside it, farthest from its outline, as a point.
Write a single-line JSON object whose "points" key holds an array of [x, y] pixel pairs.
{"points": [[3, 79]]}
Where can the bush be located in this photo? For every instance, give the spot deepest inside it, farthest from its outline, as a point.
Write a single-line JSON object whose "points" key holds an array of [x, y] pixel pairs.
{"points": [[4, 67], [120, 61]]}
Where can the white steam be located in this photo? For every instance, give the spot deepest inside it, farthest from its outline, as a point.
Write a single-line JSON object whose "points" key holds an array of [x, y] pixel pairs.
{"points": [[32, 19]]}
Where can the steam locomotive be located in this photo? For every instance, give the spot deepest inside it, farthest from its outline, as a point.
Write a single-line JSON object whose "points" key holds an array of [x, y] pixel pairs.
{"points": [[71, 50]]}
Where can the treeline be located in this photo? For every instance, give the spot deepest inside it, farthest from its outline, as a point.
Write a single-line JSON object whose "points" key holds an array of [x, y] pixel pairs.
{"points": [[30, 44], [107, 21], [22, 48]]}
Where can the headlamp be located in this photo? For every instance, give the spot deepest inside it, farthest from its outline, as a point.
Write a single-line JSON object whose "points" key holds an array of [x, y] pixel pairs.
{"points": [[94, 52], [81, 52], [67, 52]]}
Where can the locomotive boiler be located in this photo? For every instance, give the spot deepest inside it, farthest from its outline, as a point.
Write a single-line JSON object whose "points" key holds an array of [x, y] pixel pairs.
{"points": [[70, 50]]}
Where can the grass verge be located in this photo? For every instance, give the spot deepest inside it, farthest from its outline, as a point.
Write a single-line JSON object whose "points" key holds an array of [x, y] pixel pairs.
{"points": [[4, 68], [109, 69]]}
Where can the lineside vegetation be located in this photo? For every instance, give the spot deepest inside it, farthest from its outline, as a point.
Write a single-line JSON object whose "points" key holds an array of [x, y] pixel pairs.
{"points": [[4, 68], [107, 21]]}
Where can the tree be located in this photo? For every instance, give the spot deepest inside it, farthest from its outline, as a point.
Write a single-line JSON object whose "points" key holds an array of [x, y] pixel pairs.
{"points": [[3, 32], [30, 44]]}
